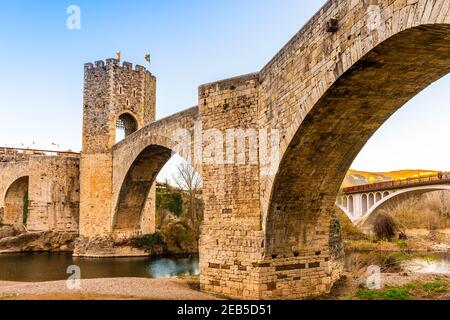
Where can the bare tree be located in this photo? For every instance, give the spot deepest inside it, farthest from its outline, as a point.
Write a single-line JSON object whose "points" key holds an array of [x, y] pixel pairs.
{"points": [[190, 181]]}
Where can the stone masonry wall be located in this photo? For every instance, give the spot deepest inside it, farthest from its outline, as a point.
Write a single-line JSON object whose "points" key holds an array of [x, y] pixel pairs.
{"points": [[54, 194], [232, 238], [53, 191]]}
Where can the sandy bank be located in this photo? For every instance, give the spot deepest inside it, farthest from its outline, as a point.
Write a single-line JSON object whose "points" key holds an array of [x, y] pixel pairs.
{"points": [[111, 288]]}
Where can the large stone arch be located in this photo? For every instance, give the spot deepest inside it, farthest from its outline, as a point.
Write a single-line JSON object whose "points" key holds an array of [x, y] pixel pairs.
{"points": [[136, 186], [326, 92], [339, 125], [9, 173]]}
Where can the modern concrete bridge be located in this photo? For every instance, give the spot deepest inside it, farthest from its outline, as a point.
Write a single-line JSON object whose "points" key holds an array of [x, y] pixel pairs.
{"points": [[360, 202]]}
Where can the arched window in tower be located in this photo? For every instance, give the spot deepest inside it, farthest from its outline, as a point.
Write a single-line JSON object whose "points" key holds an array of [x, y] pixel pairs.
{"points": [[126, 125]]}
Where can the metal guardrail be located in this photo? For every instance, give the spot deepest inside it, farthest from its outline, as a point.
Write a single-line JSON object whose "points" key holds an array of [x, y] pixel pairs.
{"points": [[395, 184]]}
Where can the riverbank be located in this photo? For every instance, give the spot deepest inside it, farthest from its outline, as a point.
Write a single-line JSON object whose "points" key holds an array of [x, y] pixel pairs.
{"points": [[394, 286], [107, 289], [418, 240]]}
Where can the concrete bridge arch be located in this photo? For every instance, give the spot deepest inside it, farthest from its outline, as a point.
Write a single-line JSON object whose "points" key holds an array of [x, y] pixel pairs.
{"points": [[362, 217]]}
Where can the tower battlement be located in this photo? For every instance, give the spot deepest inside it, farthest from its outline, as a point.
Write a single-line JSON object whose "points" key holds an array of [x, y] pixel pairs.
{"points": [[108, 63], [114, 89]]}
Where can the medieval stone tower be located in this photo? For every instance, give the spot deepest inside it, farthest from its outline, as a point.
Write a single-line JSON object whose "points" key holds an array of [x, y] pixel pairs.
{"points": [[114, 96]]}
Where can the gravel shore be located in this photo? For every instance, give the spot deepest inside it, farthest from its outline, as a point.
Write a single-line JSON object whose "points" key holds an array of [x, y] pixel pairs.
{"points": [[113, 288]]}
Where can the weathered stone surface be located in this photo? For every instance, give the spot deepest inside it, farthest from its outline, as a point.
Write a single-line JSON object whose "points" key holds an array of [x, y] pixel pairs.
{"points": [[53, 188], [7, 231], [106, 247], [38, 242]]}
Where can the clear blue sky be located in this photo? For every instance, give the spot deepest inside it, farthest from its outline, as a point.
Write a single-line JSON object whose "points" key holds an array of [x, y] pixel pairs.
{"points": [[192, 42]]}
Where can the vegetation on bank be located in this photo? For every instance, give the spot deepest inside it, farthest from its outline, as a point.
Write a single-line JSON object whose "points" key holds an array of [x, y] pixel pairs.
{"points": [[179, 214]]}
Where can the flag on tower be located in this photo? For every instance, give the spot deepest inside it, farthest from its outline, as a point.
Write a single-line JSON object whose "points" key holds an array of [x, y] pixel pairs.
{"points": [[147, 57], [118, 55]]}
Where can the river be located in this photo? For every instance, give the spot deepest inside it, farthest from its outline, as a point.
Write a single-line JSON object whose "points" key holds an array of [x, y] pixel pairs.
{"points": [[427, 262], [38, 267]]}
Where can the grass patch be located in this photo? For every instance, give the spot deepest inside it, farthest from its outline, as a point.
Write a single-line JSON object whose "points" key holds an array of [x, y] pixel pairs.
{"points": [[437, 286], [388, 293], [410, 291]]}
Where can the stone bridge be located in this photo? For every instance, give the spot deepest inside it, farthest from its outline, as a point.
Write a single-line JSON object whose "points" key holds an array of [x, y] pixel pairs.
{"points": [[361, 202], [268, 200]]}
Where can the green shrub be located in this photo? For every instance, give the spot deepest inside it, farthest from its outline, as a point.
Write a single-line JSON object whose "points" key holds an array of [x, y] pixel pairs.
{"points": [[171, 200], [385, 227], [180, 235], [148, 241], [389, 293], [25, 209]]}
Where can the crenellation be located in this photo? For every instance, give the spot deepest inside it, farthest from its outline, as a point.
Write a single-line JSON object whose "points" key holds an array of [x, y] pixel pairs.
{"points": [[115, 63], [127, 65], [99, 64]]}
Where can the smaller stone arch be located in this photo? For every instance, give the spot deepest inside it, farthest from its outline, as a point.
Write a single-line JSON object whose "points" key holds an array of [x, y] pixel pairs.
{"points": [[16, 203], [136, 187]]}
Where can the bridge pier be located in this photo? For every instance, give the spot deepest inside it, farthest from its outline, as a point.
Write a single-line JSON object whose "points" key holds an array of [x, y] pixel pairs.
{"points": [[234, 257]]}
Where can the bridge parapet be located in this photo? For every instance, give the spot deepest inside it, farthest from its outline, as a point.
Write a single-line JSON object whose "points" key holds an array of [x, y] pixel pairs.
{"points": [[359, 202], [20, 154], [399, 184]]}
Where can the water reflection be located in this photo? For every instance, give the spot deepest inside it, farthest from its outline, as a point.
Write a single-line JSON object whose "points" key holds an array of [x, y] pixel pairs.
{"points": [[439, 264], [436, 263], [53, 266]]}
